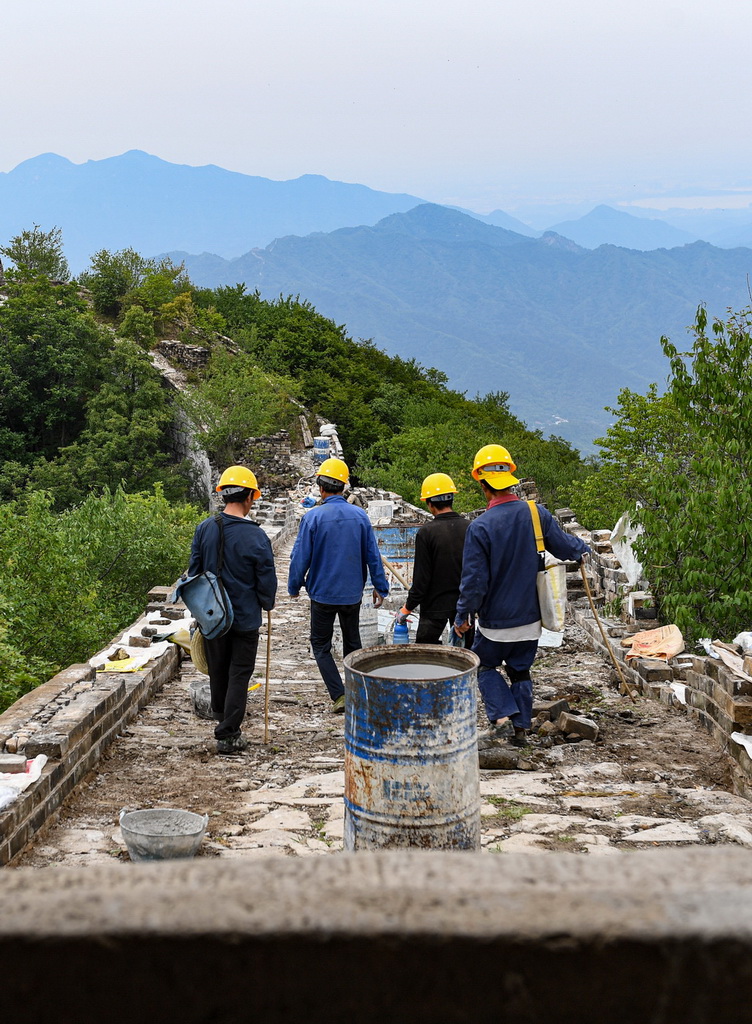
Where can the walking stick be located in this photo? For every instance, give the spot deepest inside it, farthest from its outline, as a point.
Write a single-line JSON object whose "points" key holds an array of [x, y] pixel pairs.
{"points": [[266, 687], [625, 688]]}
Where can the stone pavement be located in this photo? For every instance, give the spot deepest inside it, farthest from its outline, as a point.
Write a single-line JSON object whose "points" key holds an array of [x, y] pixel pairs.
{"points": [[652, 780]]}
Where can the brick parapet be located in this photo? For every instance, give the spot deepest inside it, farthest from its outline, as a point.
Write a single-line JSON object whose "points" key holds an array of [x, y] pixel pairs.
{"points": [[699, 686]]}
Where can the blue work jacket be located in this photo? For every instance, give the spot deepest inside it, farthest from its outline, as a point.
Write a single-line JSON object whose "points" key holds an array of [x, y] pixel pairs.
{"points": [[248, 567], [333, 553], [500, 564]]}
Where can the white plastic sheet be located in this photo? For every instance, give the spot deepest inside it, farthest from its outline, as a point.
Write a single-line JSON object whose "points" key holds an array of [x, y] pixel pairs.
{"points": [[12, 784]]}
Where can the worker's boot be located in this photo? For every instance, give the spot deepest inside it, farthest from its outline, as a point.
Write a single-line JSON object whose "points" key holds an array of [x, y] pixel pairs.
{"points": [[232, 744]]}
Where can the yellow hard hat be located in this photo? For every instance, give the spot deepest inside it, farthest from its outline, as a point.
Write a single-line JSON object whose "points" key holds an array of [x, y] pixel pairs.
{"points": [[494, 464], [436, 484], [238, 477], [335, 469]]}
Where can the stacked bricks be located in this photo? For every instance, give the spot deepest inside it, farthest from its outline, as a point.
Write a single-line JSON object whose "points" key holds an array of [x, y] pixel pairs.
{"points": [[190, 357]]}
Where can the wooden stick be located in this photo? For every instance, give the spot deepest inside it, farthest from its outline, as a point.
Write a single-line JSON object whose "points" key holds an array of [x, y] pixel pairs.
{"points": [[266, 687], [625, 688], [394, 572]]}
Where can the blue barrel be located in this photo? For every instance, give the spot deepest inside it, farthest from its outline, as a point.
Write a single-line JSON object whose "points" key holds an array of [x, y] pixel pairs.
{"points": [[320, 449], [411, 749]]}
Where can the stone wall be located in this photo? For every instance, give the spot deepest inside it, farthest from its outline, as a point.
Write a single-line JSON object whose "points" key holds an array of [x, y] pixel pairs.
{"points": [[700, 685], [190, 357]]}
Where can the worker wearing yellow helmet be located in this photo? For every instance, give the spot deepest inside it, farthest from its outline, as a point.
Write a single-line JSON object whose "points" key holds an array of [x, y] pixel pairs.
{"points": [[498, 589], [332, 556], [247, 572], [438, 564]]}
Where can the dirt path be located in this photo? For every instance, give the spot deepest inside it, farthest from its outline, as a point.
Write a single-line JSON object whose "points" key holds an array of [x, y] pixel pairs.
{"points": [[652, 778]]}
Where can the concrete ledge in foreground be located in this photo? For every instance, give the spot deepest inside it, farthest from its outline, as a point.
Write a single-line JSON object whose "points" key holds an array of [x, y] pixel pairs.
{"points": [[424, 938]]}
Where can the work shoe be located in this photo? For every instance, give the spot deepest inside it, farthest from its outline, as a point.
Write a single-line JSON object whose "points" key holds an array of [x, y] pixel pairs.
{"points": [[232, 745], [338, 707], [520, 738], [497, 731]]}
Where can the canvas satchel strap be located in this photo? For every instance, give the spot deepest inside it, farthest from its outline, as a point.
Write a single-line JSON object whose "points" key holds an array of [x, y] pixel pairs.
{"points": [[537, 526], [221, 555]]}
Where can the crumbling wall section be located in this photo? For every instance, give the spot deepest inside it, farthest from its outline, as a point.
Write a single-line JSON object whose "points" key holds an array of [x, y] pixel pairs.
{"points": [[702, 686]]}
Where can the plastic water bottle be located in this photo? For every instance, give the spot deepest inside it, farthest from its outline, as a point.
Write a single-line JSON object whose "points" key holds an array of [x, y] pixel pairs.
{"points": [[401, 633]]}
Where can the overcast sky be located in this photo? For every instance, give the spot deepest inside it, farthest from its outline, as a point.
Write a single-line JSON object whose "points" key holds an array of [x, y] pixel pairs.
{"points": [[479, 102]]}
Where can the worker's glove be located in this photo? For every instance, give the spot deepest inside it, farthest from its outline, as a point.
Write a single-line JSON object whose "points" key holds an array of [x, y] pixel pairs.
{"points": [[402, 616]]}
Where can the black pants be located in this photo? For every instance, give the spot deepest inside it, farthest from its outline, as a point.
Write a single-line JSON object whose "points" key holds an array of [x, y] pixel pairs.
{"points": [[430, 630], [322, 630], [231, 659]]}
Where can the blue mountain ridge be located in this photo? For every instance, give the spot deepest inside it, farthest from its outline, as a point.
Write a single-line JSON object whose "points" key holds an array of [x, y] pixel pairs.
{"points": [[560, 327], [139, 201]]}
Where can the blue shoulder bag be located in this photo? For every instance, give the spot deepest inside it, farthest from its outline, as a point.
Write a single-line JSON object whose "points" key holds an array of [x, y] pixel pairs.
{"points": [[205, 596]]}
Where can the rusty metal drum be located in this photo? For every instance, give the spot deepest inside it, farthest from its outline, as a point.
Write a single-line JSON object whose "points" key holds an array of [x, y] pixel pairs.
{"points": [[411, 748]]}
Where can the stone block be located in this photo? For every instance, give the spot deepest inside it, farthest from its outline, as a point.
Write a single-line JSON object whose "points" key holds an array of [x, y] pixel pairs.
{"points": [[713, 668], [652, 671], [53, 744], [551, 708], [160, 594], [741, 711], [137, 640], [601, 535], [585, 728], [12, 764]]}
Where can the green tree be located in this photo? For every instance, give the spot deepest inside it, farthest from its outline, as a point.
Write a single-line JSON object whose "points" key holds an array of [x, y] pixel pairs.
{"points": [[138, 325], [236, 400], [112, 276], [126, 437], [50, 354], [38, 252], [681, 464], [697, 515], [70, 580], [648, 430]]}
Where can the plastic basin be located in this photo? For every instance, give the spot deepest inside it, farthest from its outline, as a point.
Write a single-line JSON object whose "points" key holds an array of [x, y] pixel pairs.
{"points": [[162, 833]]}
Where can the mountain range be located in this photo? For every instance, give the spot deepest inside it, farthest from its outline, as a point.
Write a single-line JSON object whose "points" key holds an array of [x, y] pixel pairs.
{"points": [[561, 320], [560, 327], [140, 202]]}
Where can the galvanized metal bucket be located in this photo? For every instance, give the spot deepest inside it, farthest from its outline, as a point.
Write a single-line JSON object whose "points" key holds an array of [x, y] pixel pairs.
{"points": [[411, 749]]}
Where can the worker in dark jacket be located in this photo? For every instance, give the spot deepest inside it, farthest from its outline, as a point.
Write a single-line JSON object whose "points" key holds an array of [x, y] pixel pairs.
{"points": [[499, 573], [333, 553], [438, 563], [251, 584]]}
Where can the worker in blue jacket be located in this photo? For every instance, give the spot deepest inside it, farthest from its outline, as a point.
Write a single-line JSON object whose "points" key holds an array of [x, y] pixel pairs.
{"points": [[499, 570], [333, 553], [251, 584]]}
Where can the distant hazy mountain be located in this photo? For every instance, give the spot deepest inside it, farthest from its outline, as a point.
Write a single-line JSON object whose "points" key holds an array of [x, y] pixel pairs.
{"points": [[606, 226], [139, 201], [561, 328], [501, 220]]}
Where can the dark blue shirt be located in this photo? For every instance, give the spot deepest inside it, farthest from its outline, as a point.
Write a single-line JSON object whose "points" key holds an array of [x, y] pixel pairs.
{"points": [[500, 564], [248, 568]]}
